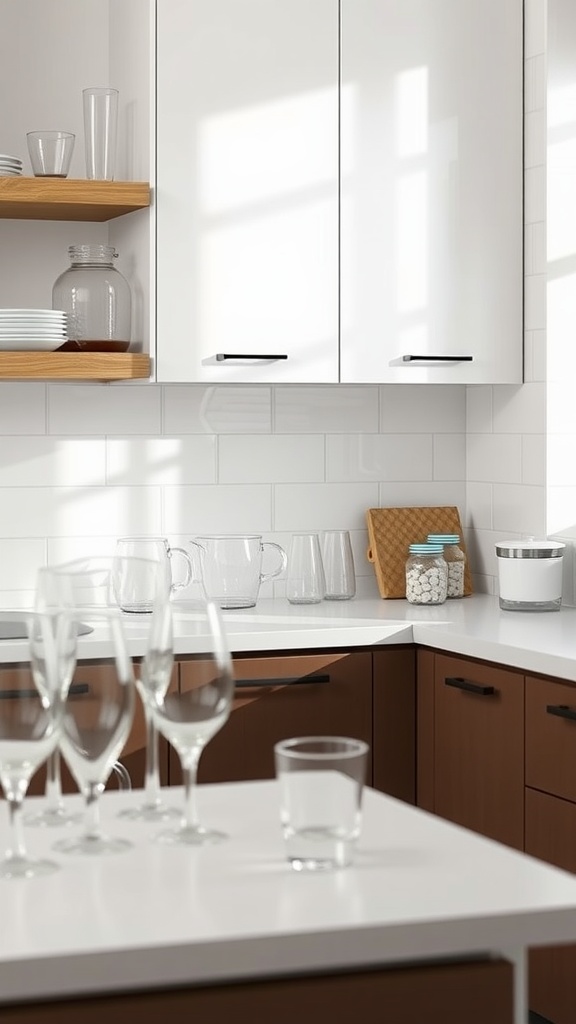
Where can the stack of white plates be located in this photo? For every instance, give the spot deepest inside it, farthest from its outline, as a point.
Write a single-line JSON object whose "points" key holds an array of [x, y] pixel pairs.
{"points": [[10, 166], [28, 329]]}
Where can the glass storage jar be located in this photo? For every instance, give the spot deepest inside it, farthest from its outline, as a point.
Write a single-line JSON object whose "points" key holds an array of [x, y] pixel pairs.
{"points": [[455, 560], [97, 299], [426, 574]]}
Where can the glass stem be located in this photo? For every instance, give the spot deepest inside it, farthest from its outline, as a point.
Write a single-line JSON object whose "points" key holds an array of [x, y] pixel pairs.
{"points": [[92, 827], [18, 848], [152, 768], [53, 790], [189, 773]]}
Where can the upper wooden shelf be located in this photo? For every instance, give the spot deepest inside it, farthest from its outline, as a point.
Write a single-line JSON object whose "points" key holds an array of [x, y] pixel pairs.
{"points": [[70, 198], [70, 366]]}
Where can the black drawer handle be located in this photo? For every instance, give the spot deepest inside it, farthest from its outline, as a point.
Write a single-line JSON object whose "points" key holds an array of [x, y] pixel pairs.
{"points": [[283, 681], [465, 684], [222, 356], [74, 691], [437, 359], [561, 711]]}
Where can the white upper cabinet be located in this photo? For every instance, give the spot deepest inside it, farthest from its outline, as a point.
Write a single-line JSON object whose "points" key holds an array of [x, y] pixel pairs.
{"points": [[247, 190], [431, 191]]}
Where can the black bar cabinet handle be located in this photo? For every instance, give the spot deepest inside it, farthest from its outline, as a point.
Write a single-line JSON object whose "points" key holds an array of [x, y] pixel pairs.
{"points": [[221, 356], [465, 684], [74, 691], [283, 681], [561, 711], [438, 359]]}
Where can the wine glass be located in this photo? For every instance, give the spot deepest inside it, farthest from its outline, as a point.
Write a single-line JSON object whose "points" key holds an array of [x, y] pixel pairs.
{"points": [[189, 719], [30, 724], [47, 600], [150, 581]]}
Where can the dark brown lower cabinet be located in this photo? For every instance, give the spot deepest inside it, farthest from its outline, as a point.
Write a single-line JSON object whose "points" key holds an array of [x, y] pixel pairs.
{"points": [[394, 722], [471, 745], [282, 696], [551, 836], [456, 993]]}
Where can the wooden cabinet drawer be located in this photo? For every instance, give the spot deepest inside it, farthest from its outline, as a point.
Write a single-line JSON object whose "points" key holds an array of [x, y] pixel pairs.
{"points": [[278, 697], [551, 736], [479, 747], [551, 836]]}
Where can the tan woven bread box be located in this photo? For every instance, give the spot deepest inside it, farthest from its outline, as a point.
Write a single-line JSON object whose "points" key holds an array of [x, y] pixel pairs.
{"points": [[392, 530]]}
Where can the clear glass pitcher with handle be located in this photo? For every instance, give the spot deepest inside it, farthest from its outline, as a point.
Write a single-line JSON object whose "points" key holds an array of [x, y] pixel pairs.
{"points": [[229, 567]]}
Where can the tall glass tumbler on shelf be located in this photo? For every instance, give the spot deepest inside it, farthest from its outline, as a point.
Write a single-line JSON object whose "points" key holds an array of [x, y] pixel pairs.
{"points": [[30, 724], [97, 300], [190, 718]]}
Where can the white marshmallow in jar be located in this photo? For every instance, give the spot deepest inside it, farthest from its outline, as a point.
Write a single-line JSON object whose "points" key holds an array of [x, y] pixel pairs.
{"points": [[426, 574], [455, 560]]}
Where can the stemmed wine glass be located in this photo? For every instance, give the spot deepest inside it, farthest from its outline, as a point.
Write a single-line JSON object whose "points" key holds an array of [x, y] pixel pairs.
{"points": [[189, 719], [55, 812], [96, 724], [30, 724], [148, 584]]}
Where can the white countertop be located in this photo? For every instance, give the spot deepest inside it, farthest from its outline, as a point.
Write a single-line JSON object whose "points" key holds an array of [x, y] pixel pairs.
{"points": [[539, 642], [156, 915]]}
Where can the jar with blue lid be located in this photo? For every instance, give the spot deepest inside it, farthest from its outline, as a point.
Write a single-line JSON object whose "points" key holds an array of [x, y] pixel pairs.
{"points": [[455, 560], [426, 574]]}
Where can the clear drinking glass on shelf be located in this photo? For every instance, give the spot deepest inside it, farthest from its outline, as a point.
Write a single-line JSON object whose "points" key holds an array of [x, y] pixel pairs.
{"points": [[338, 565], [54, 813], [189, 719], [305, 582], [30, 724]]}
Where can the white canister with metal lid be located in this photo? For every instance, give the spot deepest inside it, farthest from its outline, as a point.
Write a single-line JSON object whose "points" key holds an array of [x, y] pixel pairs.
{"points": [[530, 575]]}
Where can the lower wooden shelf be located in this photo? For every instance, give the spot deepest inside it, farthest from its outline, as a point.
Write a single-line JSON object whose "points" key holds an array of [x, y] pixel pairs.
{"points": [[99, 366]]}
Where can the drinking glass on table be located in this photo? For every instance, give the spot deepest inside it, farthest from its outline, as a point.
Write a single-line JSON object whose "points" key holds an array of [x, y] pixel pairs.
{"points": [[30, 724], [189, 719]]}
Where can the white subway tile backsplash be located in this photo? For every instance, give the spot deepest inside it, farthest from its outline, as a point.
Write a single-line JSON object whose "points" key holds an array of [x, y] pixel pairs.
{"points": [[535, 83], [535, 302], [199, 409], [323, 410], [535, 12], [534, 470], [422, 408], [438, 492], [494, 457], [378, 457], [479, 506], [535, 194], [535, 248], [449, 456], [520, 509], [78, 511], [52, 462], [20, 560], [218, 508], [479, 409], [535, 138], [97, 409], [161, 461], [519, 409], [22, 408], [535, 356], [328, 506], [276, 458]]}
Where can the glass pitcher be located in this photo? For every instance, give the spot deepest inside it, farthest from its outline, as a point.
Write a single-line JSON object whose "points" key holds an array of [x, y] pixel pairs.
{"points": [[230, 567]]}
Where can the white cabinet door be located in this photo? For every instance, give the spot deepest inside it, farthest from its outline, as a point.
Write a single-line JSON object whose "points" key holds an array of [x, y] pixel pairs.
{"points": [[247, 190], [431, 184]]}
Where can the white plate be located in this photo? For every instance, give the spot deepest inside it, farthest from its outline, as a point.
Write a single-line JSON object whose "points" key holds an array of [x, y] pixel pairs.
{"points": [[32, 325], [10, 174], [32, 312], [45, 321], [13, 159], [30, 345], [31, 332]]}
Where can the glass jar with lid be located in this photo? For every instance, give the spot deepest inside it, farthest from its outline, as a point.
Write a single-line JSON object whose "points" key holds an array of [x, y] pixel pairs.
{"points": [[97, 300], [426, 574], [455, 560]]}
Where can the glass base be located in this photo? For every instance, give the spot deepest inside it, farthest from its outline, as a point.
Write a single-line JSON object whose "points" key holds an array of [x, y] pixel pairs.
{"points": [[190, 836], [26, 867], [52, 817], [150, 812], [92, 845]]}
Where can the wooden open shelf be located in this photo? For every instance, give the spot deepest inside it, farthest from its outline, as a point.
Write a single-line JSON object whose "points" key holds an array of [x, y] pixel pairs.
{"points": [[70, 198], [81, 366]]}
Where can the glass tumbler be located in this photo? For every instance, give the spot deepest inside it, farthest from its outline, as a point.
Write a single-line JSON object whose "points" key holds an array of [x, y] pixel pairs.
{"points": [[305, 583], [338, 565]]}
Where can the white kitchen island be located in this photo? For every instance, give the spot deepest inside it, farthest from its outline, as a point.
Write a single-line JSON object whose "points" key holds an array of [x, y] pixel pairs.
{"points": [[163, 919]]}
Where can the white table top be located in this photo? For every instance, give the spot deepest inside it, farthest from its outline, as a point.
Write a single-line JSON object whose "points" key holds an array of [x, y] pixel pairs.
{"points": [[539, 642], [157, 915]]}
